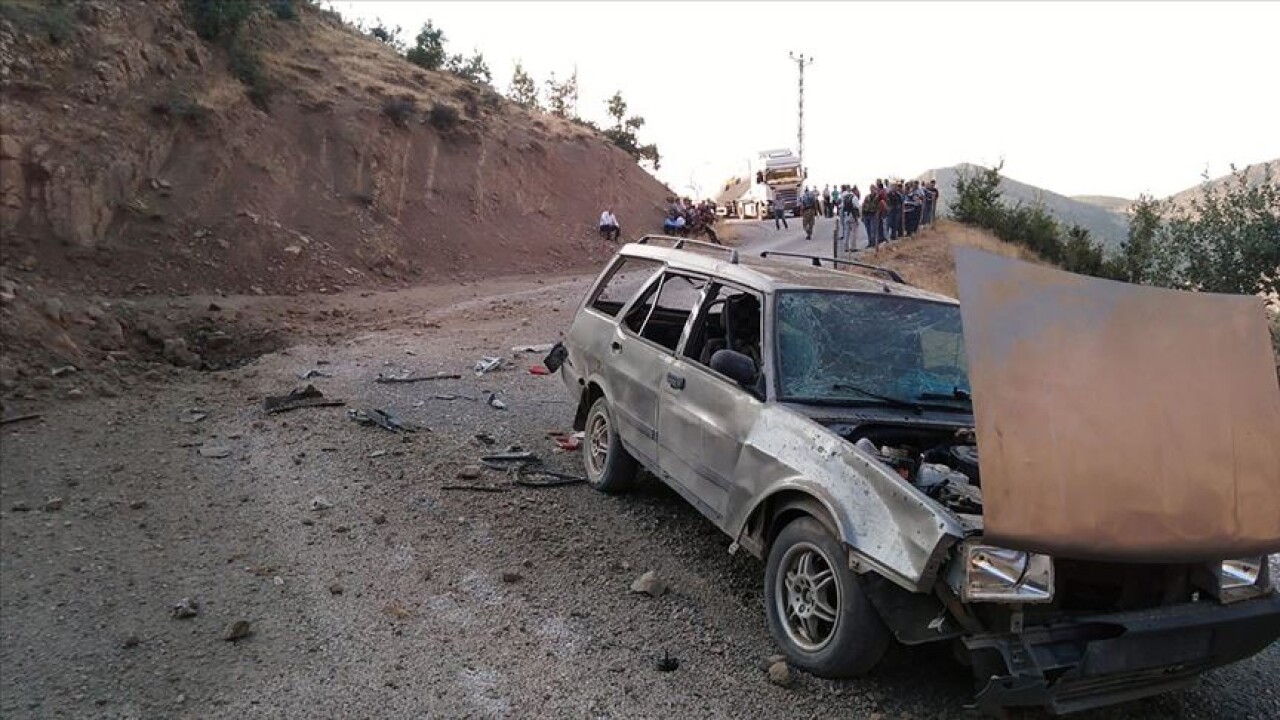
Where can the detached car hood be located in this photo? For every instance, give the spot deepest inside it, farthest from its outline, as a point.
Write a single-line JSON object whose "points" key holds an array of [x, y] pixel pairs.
{"points": [[1117, 421]]}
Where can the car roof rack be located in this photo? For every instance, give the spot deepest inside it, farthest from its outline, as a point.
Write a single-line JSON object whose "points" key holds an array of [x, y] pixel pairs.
{"points": [[817, 261], [679, 243]]}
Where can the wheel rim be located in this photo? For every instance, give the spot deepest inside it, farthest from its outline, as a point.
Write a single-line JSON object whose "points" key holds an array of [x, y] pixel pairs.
{"points": [[597, 443], [807, 597]]}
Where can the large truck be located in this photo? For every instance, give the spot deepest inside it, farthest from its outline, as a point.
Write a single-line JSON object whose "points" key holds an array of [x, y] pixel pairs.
{"points": [[783, 178]]}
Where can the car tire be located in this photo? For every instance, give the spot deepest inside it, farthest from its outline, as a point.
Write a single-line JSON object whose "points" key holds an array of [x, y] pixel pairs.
{"points": [[818, 612], [610, 468]]}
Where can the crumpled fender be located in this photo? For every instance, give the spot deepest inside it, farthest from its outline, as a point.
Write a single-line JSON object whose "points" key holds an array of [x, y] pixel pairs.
{"points": [[889, 525]]}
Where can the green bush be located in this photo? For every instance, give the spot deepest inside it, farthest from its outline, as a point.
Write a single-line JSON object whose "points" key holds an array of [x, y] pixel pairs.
{"points": [[219, 19], [247, 68], [52, 20], [443, 117], [400, 110], [428, 48]]}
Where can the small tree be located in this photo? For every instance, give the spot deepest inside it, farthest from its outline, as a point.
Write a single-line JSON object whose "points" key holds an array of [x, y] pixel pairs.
{"points": [[558, 96], [623, 132], [428, 48], [978, 196], [1137, 252], [1227, 240], [523, 90], [473, 69]]}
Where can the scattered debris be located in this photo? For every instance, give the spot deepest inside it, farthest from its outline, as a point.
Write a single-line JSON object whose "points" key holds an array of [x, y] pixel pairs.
{"points": [[477, 488], [511, 456], [186, 608], [19, 418], [780, 674], [416, 378], [20, 506], [313, 373], [567, 441], [131, 641], [495, 403], [539, 370], [335, 589], [381, 418], [532, 348], [485, 438], [54, 504], [649, 584], [377, 453], [237, 630], [454, 397], [320, 503], [306, 397], [137, 504], [214, 451], [469, 472], [487, 364], [559, 479], [63, 370], [192, 415], [554, 359], [666, 663], [511, 576]]}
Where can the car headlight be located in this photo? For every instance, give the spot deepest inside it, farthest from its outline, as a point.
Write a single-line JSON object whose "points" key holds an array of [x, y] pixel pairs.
{"points": [[986, 573], [1232, 580], [1234, 574]]}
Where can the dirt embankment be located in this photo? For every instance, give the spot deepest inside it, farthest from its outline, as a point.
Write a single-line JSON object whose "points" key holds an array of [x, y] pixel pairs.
{"points": [[133, 166]]}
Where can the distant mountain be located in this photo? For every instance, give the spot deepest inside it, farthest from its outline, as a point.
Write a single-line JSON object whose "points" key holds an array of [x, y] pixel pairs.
{"points": [[1253, 175], [1110, 202], [1110, 227]]}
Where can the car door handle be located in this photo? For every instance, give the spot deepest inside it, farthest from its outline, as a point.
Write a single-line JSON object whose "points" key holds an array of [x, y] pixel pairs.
{"points": [[675, 381], [615, 346]]}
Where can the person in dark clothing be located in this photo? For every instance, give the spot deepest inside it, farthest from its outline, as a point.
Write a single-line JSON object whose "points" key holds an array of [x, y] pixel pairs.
{"points": [[893, 198], [911, 208], [779, 216], [871, 216]]}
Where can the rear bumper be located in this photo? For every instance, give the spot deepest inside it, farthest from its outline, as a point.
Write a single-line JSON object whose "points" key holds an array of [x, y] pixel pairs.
{"points": [[1107, 659]]}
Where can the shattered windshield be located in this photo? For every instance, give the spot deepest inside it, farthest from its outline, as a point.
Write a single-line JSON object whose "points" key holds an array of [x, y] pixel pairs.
{"points": [[863, 348]]}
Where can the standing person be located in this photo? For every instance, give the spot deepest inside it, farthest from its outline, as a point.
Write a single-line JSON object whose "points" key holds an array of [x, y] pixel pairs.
{"points": [[809, 212], [609, 228], [933, 195], [850, 207], [871, 216], [882, 192], [910, 210], [893, 198], [779, 216], [825, 207]]}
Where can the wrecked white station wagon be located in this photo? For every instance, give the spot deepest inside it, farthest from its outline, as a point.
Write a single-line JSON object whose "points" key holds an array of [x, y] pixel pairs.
{"points": [[1111, 542]]}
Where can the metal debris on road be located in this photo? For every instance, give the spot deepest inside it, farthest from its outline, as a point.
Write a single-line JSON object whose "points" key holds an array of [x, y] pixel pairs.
{"points": [[382, 418], [495, 403], [313, 373], [477, 488], [192, 415], [666, 663], [454, 397], [306, 397], [185, 608], [20, 418], [546, 347], [319, 503], [416, 378], [487, 364], [63, 370], [511, 456]]}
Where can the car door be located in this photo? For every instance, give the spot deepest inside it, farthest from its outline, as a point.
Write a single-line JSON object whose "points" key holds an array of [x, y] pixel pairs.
{"points": [[641, 350], [704, 417]]}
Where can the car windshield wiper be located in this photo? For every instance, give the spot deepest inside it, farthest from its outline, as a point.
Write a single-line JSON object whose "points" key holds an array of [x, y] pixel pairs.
{"points": [[957, 393], [896, 402]]}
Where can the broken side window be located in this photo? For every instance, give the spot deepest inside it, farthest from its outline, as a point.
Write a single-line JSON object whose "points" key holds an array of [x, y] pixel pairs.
{"points": [[664, 320], [732, 320], [626, 278]]}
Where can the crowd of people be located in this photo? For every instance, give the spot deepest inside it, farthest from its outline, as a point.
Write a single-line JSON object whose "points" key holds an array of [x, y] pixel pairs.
{"points": [[887, 211]]}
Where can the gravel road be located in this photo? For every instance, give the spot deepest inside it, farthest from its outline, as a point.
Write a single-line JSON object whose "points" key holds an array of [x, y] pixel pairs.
{"points": [[400, 598]]}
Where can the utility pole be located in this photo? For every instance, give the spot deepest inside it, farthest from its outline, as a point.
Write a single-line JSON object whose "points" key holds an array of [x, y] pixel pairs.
{"points": [[801, 61]]}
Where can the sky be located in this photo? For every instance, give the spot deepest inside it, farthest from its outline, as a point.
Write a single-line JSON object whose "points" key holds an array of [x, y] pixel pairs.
{"points": [[1078, 98]]}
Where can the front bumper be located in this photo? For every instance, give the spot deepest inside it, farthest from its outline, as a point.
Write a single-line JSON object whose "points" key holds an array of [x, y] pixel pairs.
{"points": [[1107, 659]]}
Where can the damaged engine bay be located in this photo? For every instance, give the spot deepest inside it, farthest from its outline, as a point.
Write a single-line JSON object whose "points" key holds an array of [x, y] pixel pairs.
{"points": [[943, 464]]}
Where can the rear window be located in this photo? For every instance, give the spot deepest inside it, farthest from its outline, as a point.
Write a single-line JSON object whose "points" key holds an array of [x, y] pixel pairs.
{"points": [[624, 281]]}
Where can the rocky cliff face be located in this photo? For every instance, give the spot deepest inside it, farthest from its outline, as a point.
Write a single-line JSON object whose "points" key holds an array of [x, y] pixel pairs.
{"points": [[129, 155]]}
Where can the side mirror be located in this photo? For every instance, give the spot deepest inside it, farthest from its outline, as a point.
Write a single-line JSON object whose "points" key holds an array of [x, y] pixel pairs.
{"points": [[735, 366]]}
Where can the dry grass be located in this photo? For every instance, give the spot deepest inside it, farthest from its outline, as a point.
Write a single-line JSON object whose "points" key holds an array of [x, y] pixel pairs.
{"points": [[926, 260]]}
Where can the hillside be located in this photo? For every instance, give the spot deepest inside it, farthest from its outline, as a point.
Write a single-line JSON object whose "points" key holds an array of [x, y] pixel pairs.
{"points": [[1253, 175], [1109, 227], [1108, 202], [131, 159]]}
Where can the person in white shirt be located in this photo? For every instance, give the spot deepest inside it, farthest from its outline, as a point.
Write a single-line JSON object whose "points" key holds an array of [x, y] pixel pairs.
{"points": [[609, 228]]}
